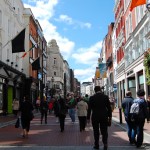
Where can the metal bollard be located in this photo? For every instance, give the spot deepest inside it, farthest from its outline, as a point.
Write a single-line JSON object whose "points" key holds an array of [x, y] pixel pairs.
{"points": [[120, 115]]}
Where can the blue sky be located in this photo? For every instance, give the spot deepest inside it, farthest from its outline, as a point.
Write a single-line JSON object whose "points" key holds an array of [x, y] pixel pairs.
{"points": [[78, 26]]}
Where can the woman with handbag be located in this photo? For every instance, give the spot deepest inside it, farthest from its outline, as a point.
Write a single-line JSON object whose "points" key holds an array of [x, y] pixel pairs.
{"points": [[26, 110]]}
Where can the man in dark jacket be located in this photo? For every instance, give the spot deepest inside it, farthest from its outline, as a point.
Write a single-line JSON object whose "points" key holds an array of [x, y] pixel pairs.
{"points": [[99, 104], [126, 105], [143, 114], [44, 109]]}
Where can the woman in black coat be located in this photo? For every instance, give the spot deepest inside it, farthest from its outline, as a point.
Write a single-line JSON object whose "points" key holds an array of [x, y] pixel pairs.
{"points": [[26, 113], [62, 113]]}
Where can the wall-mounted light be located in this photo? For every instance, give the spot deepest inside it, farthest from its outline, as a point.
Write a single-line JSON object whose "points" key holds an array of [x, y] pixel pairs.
{"points": [[16, 65], [22, 69], [148, 5], [7, 60], [11, 63]]}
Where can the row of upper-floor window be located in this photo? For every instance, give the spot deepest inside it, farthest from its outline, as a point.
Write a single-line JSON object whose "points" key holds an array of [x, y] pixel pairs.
{"points": [[120, 54], [17, 14], [139, 13], [118, 9], [122, 3], [140, 45], [119, 26]]}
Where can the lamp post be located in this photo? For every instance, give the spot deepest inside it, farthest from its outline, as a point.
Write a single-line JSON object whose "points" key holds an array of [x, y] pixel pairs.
{"points": [[52, 88], [52, 79]]}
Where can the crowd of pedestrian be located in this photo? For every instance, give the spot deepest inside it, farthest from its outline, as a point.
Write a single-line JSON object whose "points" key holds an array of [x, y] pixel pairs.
{"points": [[136, 111], [98, 108]]}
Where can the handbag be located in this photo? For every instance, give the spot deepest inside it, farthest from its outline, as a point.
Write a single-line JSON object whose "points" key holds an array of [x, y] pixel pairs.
{"points": [[109, 122], [17, 124], [31, 116]]}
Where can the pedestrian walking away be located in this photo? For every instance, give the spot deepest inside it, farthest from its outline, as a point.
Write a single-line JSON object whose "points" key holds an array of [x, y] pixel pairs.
{"points": [[131, 128], [100, 107], [62, 113], [44, 109], [72, 107], [56, 107], [37, 104], [86, 98], [139, 116], [82, 108], [26, 109]]}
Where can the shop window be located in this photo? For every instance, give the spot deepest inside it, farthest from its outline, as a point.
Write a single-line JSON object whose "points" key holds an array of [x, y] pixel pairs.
{"points": [[132, 87], [55, 61], [141, 81]]}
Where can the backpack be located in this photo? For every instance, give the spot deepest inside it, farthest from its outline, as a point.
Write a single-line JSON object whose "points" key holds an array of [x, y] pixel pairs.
{"points": [[135, 111]]}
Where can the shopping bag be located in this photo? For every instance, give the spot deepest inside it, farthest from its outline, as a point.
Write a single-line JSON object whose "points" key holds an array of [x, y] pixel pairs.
{"points": [[17, 124], [109, 122], [31, 116]]}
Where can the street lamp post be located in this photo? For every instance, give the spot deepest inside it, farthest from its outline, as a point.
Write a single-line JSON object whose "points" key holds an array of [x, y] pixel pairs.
{"points": [[52, 79], [52, 88]]}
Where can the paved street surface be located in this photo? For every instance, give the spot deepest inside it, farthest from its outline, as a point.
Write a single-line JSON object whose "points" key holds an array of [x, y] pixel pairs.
{"points": [[48, 136]]}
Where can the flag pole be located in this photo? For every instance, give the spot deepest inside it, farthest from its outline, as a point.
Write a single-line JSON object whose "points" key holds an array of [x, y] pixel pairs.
{"points": [[41, 82]]}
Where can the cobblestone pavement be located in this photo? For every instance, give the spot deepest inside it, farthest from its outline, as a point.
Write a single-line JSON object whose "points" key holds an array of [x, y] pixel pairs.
{"points": [[48, 136]]}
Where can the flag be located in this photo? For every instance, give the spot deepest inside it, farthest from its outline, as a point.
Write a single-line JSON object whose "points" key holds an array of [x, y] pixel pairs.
{"points": [[102, 69], [18, 42], [97, 73], [24, 55], [135, 3], [36, 64]]}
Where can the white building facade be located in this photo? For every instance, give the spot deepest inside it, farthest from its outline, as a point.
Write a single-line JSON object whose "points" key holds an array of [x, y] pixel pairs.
{"points": [[55, 66]]}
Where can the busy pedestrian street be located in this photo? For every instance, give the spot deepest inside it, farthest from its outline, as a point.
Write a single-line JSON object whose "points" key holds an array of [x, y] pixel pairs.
{"points": [[48, 136]]}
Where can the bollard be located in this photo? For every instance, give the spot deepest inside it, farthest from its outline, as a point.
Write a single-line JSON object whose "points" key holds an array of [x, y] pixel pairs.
{"points": [[120, 115]]}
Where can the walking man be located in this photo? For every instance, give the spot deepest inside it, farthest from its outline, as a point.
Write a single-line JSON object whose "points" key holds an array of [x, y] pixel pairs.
{"points": [[142, 115], [44, 109], [99, 104], [126, 105]]}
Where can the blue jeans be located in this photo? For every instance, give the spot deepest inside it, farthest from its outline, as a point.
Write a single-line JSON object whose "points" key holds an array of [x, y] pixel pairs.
{"points": [[139, 126], [71, 113], [131, 130]]}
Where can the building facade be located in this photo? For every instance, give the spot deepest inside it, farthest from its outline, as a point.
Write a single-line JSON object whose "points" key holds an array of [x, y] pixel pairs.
{"points": [[11, 75], [55, 73]]}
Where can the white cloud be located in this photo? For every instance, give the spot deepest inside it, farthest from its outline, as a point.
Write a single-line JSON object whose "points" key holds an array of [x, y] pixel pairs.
{"points": [[88, 25], [87, 74], [88, 55], [50, 31], [68, 20], [44, 11]]}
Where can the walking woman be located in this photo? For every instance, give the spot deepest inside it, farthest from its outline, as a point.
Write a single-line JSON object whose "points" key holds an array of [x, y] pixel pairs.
{"points": [[82, 108], [26, 111], [62, 113]]}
